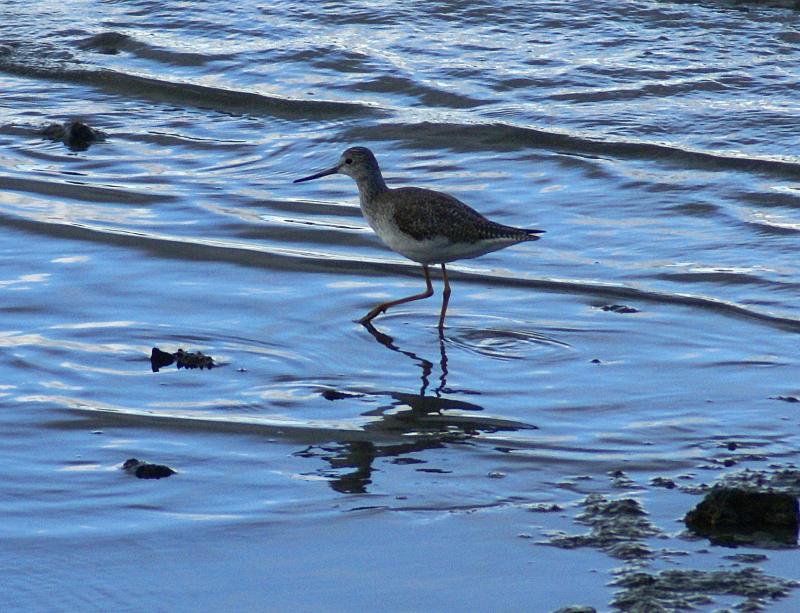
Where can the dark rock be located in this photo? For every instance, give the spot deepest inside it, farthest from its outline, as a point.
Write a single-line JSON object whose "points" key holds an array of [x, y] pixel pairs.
{"points": [[145, 470], [193, 359], [336, 395], [159, 359], [786, 398], [728, 516], [74, 134], [662, 482], [183, 359], [576, 609], [108, 43]]}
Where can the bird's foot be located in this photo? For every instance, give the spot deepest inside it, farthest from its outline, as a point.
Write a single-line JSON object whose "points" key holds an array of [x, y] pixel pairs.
{"points": [[372, 315]]}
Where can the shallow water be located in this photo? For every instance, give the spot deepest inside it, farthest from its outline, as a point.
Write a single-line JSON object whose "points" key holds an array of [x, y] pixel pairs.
{"points": [[324, 466]]}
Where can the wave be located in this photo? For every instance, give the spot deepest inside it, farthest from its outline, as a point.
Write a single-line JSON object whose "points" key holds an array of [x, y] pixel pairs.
{"points": [[199, 249], [390, 428], [498, 136], [81, 192], [429, 96], [111, 43], [476, 132], [18, 60]]}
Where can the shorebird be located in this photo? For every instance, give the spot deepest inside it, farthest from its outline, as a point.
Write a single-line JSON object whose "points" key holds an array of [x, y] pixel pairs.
{"points": [[423, 225]]}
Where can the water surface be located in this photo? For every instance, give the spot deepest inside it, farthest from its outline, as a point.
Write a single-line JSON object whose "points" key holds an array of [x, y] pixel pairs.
{"points": [[323, 466]]}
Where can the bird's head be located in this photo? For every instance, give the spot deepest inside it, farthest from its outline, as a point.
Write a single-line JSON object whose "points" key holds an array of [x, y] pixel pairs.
{"points": [[356, 162]]}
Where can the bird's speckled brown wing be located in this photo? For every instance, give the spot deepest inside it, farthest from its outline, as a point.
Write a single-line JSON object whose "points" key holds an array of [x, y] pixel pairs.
{"points": [[425, 214]]}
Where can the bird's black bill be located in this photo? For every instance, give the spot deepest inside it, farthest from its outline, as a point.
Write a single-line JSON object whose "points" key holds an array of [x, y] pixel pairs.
{"points": [[324, 173]]}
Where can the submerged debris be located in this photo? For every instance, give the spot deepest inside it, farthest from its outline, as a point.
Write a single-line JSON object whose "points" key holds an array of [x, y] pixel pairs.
{"points": [[785, 480], [621, 480], [73, 133], [183, 359], [543, 507], [330, 394], [682, 590], [663, 482], [193, 359], [785, 398], [618, 528], [729, 516], [748, 558], [621, 529], [145, 470], [618, 308], [107, 43]]}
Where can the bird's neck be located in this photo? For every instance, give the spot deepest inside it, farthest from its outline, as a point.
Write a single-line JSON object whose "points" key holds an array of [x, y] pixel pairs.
{"points": [[370, 188]]}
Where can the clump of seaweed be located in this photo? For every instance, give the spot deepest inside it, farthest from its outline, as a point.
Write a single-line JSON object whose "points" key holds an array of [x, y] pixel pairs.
{"points": [[785, 480], [618, 527], [182, 359], [682, 590]]}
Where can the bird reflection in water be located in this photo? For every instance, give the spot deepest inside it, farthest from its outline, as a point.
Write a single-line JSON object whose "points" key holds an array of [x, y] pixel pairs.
{"points": [[418, 402], [421, 415]]}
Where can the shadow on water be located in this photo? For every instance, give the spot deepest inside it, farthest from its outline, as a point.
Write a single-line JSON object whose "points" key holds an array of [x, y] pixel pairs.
{"points": [[423, 415]]}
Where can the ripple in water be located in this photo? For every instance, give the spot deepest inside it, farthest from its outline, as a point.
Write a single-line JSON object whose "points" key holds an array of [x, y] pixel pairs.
{"points": [[505, 344]]}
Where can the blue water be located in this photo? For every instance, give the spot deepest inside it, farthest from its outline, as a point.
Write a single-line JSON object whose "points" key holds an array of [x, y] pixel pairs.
{"points": [[654, 141]]}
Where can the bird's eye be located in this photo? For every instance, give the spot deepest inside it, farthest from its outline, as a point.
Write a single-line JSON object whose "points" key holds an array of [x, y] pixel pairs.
{"points": [[348, 161]]}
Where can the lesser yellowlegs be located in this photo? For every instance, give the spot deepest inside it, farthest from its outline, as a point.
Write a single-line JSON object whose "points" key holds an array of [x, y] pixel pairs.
{"points": [[425, 226]]}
